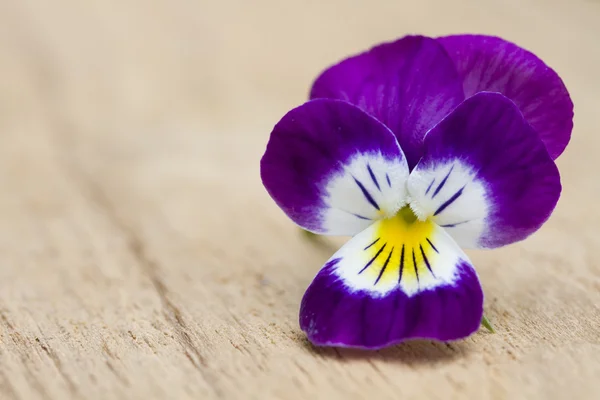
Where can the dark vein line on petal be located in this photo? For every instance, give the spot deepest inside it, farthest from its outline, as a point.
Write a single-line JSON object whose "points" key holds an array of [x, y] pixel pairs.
{"points": [[373, 259], [376, 240], [353, 214], [401, 265], [415, 265], [426, 261], [373, 178], [430, 185], [366, 194], [454, 224], [432, 246], [384, 266], [442, 183], [449, 201], [387, 177]]}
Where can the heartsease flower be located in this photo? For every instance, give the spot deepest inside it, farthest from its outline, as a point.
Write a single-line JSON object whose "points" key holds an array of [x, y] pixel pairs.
{"points": [[417, 148]]}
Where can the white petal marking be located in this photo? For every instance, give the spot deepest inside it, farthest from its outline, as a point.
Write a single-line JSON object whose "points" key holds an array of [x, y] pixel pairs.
{"points": [[392, 253], [450, 195], [369, 187]]}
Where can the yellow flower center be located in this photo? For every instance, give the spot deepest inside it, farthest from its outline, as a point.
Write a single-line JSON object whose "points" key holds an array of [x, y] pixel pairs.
{"points": [[403, 250]]}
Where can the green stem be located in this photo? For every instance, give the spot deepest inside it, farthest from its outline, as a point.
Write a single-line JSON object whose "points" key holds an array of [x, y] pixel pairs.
{"points": [[487, 324]]}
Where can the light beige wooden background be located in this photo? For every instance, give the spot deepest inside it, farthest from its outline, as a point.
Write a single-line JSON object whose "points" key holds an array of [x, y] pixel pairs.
{"points": [[140, 257]]}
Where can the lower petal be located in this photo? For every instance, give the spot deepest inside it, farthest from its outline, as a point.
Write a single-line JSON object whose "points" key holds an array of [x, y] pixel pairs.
{"points": [[399, 279]]}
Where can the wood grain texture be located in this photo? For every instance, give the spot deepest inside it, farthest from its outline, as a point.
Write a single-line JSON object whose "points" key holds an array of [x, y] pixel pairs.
{"points": [[140, 257]]}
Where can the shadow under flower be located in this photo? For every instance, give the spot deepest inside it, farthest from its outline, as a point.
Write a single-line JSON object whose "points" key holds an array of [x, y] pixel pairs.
{"points": [[412, 352], [322, 243]]}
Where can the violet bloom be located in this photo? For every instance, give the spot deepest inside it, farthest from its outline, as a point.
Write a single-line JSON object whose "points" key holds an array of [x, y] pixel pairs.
{"points": [[417, 148]]}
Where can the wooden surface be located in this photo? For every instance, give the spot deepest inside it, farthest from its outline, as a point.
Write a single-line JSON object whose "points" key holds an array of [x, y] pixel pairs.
{"points": [[140, 257]]}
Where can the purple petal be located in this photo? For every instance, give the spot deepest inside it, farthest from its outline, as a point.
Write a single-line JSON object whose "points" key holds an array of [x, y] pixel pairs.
{"points": [[357, 302], [334, 169], [409, 85], [486, 176], [491, 64]]}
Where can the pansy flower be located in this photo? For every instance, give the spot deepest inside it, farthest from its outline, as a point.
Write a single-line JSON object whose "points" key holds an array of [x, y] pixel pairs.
{"points": [[417, 148]]}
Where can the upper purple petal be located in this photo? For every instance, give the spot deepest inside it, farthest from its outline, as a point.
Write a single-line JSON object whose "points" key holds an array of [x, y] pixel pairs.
{"points": [[333, 169], [409, 85], [491, 64]]}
